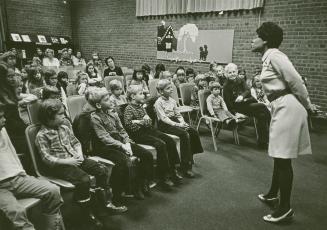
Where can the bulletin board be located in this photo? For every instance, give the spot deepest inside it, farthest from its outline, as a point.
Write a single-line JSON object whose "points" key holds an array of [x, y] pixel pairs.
{"points": [[195, 45]]}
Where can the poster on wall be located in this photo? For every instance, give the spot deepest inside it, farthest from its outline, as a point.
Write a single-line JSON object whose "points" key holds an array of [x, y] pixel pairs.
{"points": [[16, 37], [26, 38], [194, 45]]}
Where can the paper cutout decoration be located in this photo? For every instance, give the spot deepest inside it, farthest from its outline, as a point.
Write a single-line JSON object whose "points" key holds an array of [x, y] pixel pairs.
{"points": [[166, 40], [63, 41], [41, 38], [26, 38], [16, 37], [55, 40]]}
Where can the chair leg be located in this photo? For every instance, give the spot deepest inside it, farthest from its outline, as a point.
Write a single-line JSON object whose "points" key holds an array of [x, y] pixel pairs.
{"points": [[213, 135], [255, 127], [189, 118], [199, 123], [235, 134]]}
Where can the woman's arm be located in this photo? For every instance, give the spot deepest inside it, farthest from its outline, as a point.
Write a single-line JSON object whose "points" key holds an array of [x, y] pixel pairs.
{"points": [[283, 66]]}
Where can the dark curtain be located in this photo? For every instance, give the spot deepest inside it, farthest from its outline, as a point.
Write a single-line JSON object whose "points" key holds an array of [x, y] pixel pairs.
{"points": [[3, 25]]}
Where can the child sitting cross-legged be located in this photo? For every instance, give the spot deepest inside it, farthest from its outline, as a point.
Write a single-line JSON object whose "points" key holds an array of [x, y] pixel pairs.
{"points": [[113, 142], [139, 126], [62, 154], [172, 122], [116, 98], [217, 106]]}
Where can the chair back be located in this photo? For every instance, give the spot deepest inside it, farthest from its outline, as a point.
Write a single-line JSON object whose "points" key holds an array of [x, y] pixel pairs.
{"points": [[33, 111], [203, 94], [30, 133], [175, 93], [128, 79], [108, 79], [45, 68], [186, 92], [71, 90], [153, 87], [75, 105]]}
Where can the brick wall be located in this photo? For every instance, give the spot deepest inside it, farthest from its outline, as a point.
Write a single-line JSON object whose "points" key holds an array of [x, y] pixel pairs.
{"points": [[110, 27], [48, 17]]}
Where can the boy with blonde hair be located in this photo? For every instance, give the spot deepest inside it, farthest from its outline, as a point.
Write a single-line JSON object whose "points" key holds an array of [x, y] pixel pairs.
{"points": [[172, 122], [113, 142]]}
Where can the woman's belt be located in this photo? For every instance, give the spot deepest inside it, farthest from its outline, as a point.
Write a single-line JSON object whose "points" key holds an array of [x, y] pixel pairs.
{"points": [[273, 96]]}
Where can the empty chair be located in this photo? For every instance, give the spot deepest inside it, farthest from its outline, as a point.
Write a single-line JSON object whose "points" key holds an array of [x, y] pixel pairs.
{"points": [[186, 93]]}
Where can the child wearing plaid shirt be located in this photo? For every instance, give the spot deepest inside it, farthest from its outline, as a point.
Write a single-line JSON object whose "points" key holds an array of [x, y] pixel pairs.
{"points": [[62, 154], [139, 126]]}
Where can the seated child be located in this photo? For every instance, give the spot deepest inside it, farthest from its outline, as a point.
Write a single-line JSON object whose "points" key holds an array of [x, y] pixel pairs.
{"points": [[172, 122], [190, 75], [117, 98], [112, 141], [35, 81], [217, 107], [14, 182], [139, 126], [51, 79], [257, 92], [138, 78], [179, 77], [62, 81], [200, 84], [82, 83], [62, 154]]}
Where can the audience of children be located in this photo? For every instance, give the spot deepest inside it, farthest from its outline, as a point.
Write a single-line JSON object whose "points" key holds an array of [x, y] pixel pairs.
{"points": [[113, 142], [65, 158], [116, 98], [172, 122], [139, 127]]}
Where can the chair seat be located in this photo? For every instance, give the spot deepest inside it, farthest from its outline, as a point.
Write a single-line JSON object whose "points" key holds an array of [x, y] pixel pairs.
{"points": [[28, 203], [185, 109], [151, 149], [59, 182]]}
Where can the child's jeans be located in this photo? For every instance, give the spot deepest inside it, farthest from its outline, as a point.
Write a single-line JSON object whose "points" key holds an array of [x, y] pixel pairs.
{"points": [[24, 186], [79, 176]]}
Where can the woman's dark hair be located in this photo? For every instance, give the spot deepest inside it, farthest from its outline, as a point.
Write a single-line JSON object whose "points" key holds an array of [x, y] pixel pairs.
{"points": [[60, 83], [61, 75], [87, 69], [31, 73], [212, 64], [138, 71], [48, 110], [271, 33], [48, 73], [159, 68], [146, 67], [189, 71], [180, 67], [49, 91], [107, 58]]}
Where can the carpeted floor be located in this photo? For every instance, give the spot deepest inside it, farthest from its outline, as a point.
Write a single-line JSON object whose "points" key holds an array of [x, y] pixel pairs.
{"points": [[223, 195]]}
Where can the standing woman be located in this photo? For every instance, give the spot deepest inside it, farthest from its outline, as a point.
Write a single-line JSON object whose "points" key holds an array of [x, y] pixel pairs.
{"points": [[289, 134]]}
